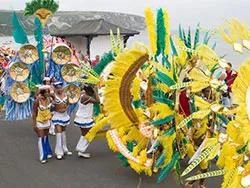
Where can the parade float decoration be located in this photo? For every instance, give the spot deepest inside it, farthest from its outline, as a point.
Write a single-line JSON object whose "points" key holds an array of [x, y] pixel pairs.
{"points": [[42, 10], [26, 68], [154, 133], [17, 90]]}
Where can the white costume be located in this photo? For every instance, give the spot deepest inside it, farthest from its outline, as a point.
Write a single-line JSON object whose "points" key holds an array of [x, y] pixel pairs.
{"points": [[84, 116], [61, 119], [84, 119]]}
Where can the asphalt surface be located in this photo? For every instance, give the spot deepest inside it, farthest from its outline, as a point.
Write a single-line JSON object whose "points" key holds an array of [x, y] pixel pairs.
{"points": [[20, 167]]}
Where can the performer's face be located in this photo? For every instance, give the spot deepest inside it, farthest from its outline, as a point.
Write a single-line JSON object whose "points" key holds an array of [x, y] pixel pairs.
{"points": [[45, 93], [47, 82], [59, 89]]}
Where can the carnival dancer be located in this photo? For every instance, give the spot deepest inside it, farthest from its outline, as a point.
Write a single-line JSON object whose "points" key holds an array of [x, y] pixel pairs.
{"points": [[60, 119], [84, 118], [47, 81], [41, 122]]}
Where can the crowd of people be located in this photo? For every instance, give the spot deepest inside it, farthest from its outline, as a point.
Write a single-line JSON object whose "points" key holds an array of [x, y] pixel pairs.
{"points": [[50, 110], [90, 63]]}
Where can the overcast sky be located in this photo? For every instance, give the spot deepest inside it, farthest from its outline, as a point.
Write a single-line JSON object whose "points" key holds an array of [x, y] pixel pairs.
{"points": [[187, 12]]}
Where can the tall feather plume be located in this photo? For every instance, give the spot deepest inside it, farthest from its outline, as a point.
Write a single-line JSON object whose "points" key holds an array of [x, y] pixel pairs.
{"points": [[118, 41], [161, 32], [180, 32], [112, 39], [167, 37], [173, 47], [184, 37], [189, 39], [149, 18], [197, 37]]}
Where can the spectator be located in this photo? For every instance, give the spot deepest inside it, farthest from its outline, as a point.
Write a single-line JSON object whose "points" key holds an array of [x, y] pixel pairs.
{"points": [[184, 101], [86, 60], [231, 76], [96, 61], [225, 96]]}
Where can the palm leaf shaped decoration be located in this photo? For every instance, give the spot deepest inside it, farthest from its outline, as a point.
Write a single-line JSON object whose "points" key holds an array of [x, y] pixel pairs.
{"points": [[42, 9]]}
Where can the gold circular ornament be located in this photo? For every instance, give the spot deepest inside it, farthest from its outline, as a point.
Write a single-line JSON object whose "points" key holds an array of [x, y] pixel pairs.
{"points": [[19, 71], [73, 92], [20, 92], [69, 73], [28, 54], [61, 54]]}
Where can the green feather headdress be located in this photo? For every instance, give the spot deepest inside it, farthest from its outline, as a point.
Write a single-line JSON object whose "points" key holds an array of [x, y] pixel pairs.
{"points": [[33, 6], [42, 9]]}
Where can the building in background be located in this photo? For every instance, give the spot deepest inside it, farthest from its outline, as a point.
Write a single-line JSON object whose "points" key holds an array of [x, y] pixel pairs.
{"points": [[91, 37]]}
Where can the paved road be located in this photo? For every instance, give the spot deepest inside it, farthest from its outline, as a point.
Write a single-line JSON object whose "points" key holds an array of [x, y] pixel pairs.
{"points": [[20, 168]]}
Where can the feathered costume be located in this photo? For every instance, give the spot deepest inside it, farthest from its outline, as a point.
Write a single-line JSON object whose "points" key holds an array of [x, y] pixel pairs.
{"points": [[153, 135]]}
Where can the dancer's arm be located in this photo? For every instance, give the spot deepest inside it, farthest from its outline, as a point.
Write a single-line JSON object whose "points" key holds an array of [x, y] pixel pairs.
{"points": [[88, 99], [68, 104], [35, 111]]}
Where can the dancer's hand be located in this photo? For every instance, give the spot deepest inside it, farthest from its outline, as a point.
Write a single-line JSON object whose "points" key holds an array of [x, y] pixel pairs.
{"points": [[95, 88], [35, 128]]}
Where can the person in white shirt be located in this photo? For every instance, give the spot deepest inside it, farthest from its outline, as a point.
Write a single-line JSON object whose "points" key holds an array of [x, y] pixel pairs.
{"points": [[87, 61]]}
